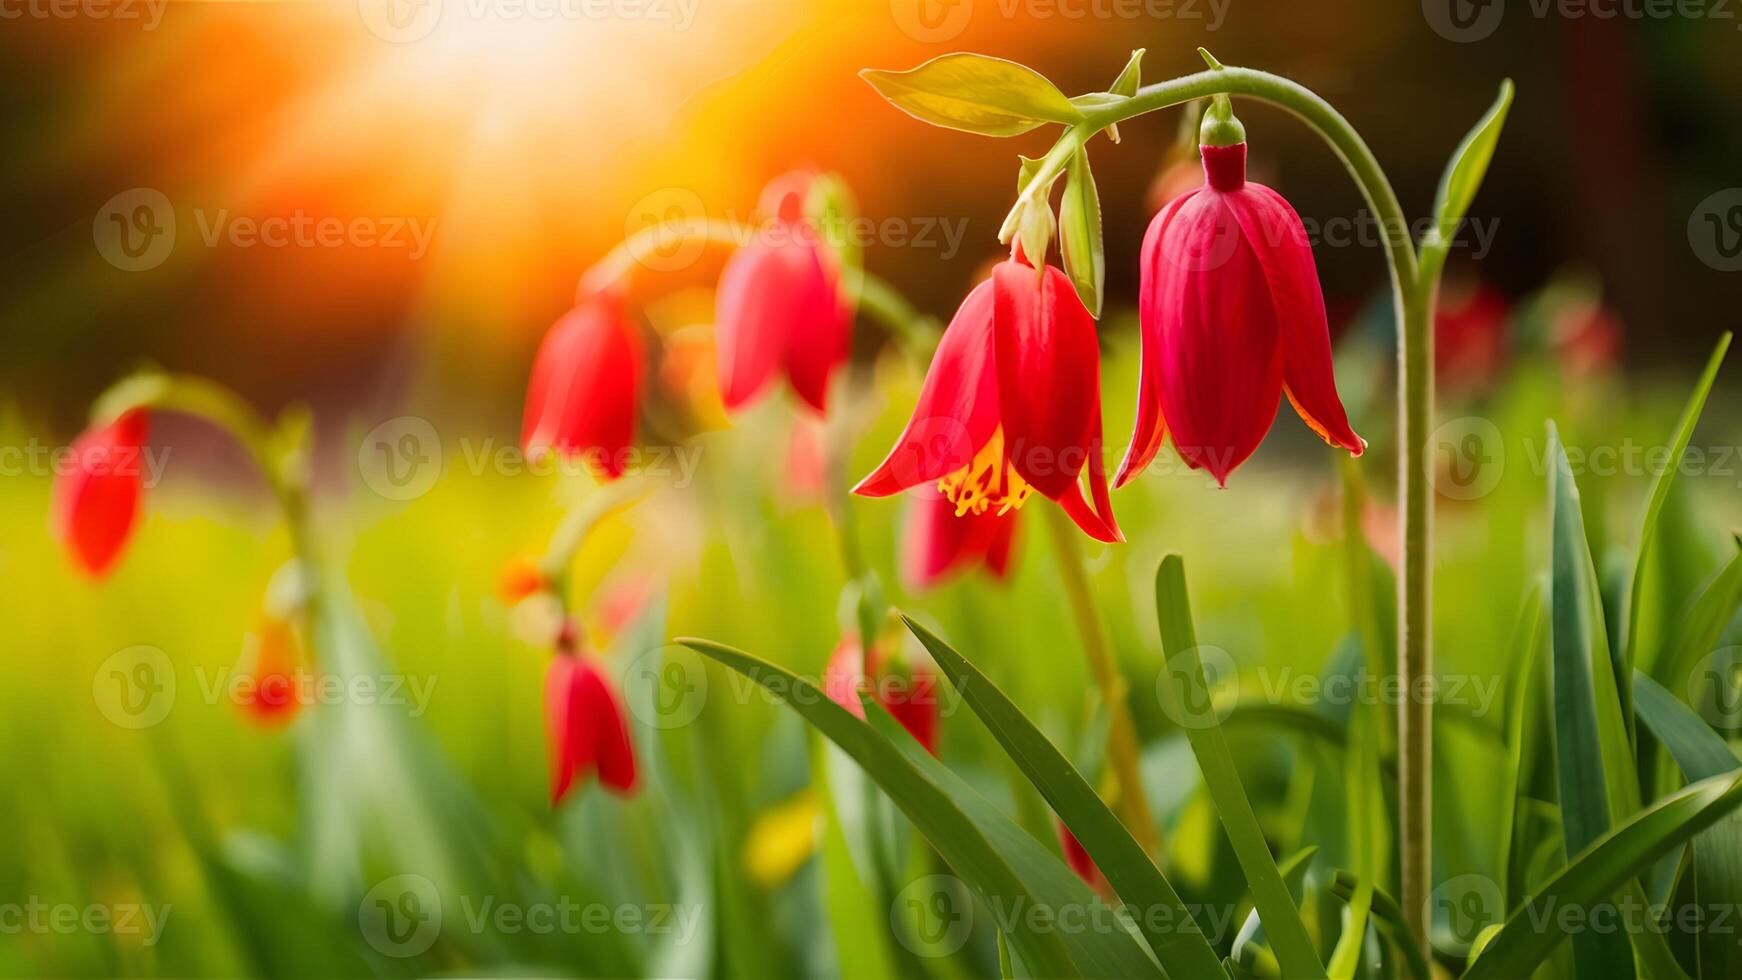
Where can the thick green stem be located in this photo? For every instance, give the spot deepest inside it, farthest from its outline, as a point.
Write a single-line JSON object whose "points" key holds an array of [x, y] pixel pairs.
{"points": [[1122, 749], [1413, 287]]}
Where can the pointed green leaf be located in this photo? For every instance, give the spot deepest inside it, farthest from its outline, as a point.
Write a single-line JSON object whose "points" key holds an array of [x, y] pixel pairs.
{"points": [[1588, 765], [1080, 232], [1701, 754], [1526, 643], [1660, 487], [1186, 687], [975, 94], [1465, 170], [1700, 629], [1177, 940], [1389, 915], [1532, 932], [1005, 867]]}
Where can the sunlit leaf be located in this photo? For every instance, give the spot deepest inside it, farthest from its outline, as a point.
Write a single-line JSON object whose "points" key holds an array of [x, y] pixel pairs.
{"points": [[975, 94]]}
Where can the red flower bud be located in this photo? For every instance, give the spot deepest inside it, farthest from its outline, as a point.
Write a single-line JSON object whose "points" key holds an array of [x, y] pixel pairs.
{"points": [[779, 305], [585, 728], [1077, 858], [911, 697], [1232, 319], [96, 504], [1011, 405], [585, 385]]}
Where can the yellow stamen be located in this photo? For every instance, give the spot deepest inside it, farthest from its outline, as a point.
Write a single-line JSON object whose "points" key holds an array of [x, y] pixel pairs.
{"points": [[987, 482]]}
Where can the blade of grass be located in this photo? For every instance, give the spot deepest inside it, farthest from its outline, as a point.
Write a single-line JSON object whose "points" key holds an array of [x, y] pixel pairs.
{"points": [[1654, 501], [1701, 754], [1189, 692], [1390, 918], [1587, 763], [1177, 941], [1526, 643], [1530, 934]]}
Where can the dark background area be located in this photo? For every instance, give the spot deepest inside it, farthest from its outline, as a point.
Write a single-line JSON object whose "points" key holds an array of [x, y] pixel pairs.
{"points": [[1622, 126]]}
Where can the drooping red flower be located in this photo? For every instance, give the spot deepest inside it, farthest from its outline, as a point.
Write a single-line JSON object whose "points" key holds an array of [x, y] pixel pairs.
{"points": [[272, 693], [1011, 405], [96, 501], [1232, 319], [938, 543], [779, 305], [1469, 334], [585, 729], [585, 385], [909, 692]]}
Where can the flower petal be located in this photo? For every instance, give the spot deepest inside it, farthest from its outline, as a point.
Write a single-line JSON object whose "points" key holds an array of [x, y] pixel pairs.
{"points": [[96, 502], [937, 543], [568, 744], [583, 395], [1286, 257], [1049, 378], [609, 731], [957, 410], [822, 328], [1205, 302], [1151, 425]]}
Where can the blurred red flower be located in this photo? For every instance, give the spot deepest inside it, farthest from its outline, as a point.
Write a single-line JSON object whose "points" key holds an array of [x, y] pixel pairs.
{"points": [[583, 395], [938, 543], [585, 727], [96, 502]]}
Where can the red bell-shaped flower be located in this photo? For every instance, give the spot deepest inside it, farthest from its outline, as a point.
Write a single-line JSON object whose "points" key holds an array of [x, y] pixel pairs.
{"points": [[586, 382], [938, 543], [1232, 319], [585, 728], [272, 697], [779, 304], [96, 502], [1010, 406]]}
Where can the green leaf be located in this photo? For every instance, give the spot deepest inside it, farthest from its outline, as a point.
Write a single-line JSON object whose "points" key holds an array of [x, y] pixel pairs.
{"points": [[1701, 754], [858, 928], [1177, 941], [1590, 768], [941, 811], [1186, 687], [1654, 501], [1526, 643], [1110, 952], [1389, 915], [1465, 170], [1532, 932], [1700, 628], [975, 94], [1131, 76], [1080, 232]]}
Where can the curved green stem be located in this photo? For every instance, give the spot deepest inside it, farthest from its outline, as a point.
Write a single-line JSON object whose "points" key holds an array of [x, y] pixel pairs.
{"points": [[572, 532], [1414, 283]]}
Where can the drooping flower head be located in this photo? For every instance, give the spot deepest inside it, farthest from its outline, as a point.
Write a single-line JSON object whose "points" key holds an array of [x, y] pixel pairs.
{"points": [[272, 695], [585, 728], [938, 543], [780, 306], [96, 501], [586, 380], [1232, 319], [1011, 405]]}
